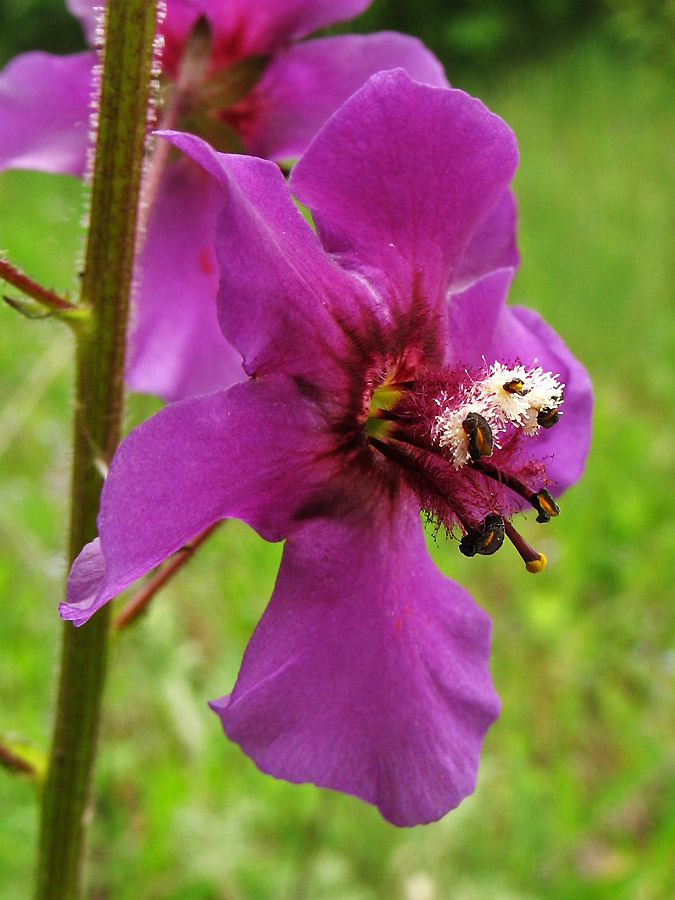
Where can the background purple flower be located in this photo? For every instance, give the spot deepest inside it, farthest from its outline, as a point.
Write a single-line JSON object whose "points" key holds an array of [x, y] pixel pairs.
{"points": [[231, 72], [368, 671]]}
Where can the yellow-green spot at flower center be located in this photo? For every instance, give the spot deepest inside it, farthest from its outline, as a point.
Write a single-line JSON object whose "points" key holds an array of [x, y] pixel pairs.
{"points": [[384, 397]]}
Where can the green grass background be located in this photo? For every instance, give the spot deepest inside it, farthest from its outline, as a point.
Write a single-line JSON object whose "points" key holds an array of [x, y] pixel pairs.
{"points": [[576, 793]]}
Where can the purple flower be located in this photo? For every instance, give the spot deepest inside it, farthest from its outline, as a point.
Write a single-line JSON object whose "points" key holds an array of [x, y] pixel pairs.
{"points": [[233, 73], [369, 399]]}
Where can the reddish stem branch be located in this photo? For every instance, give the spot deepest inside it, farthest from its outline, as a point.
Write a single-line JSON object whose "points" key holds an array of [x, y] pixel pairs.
{"points": [[142, 598], [48, 298], [15, 763]]}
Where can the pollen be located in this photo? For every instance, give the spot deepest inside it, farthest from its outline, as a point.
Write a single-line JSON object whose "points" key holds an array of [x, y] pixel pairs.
{"points": [[527, 398], [507, 391], [536, 565], [507, 396], [465, 432]]}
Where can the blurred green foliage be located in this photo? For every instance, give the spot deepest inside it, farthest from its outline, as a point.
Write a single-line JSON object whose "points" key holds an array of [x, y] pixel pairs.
{"points": [[576, 793], [37, 25], [482, 33]]}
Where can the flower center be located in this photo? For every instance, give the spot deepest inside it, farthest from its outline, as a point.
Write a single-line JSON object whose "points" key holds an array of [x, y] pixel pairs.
{"points": [[206, 99], [464, 441]]}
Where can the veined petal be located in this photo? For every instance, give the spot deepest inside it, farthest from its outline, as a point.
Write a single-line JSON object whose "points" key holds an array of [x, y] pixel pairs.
{"points": [[258, 452], [177, 347], [306, 83], [368, 672], [280, 295], [483, 327], [401, 178], [44, 110]]}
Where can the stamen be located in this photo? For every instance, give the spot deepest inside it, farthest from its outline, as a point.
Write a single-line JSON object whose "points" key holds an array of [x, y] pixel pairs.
{"points": [[547, 418], [516, 386], [440, 431], [392, 452], [534, 562], [541, 500], [545, 505], [509, 481], [486, 539], [479, 433], [527, 398]]}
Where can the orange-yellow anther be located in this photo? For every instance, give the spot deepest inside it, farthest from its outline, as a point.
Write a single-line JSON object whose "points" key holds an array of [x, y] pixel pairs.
{"points": [[536, 565]]}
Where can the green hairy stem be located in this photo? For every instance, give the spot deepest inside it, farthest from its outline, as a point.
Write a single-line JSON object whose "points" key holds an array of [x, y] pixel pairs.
{"points": [[123, 114]]}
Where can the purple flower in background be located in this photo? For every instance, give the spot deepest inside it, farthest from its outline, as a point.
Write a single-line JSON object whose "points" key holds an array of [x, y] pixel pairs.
{"points": [[369, 399], [232, 72]]}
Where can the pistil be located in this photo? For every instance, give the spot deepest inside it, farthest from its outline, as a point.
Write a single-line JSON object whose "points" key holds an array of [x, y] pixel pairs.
{"points": [[534, 562]]}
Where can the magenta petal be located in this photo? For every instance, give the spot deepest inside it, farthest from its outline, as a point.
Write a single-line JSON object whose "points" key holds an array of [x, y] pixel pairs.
{"points": [[44, 112], [473, 315], [492, 247], [279, 292], [84, 582], [368, 672], [483, 327], [401, 177], [252, 452], [177, 349], [305, 84]]}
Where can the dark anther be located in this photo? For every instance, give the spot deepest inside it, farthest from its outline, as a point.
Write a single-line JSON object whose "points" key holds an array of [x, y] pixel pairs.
{"points": [[545, 505], [516, 386], [479, 434], [486, 539], [547, 417]]}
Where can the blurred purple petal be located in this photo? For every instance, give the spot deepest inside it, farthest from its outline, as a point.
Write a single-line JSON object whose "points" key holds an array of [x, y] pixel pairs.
{"points": [[305, 84], [176, 346], [89, 12], [44, 112], [368, 672]]}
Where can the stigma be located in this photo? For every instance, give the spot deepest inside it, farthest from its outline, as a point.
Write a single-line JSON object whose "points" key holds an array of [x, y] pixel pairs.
{"points": [[464, 441]]}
